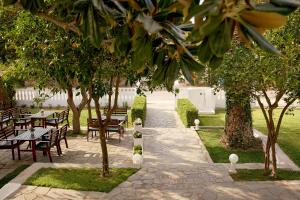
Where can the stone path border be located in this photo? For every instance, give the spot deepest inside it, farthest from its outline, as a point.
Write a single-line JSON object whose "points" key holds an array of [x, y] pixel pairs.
{"points": [[283, 160]]}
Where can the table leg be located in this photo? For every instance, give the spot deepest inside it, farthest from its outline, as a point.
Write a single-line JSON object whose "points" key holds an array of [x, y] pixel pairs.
{"points": [[33, 148], [32, 122]]}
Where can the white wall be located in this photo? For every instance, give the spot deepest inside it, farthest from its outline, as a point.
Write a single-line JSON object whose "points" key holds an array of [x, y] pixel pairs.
{"points": [[207, 100], [25, 96]]}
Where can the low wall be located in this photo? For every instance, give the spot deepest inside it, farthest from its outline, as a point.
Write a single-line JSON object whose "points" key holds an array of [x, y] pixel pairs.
{"points": [[25, 96]]}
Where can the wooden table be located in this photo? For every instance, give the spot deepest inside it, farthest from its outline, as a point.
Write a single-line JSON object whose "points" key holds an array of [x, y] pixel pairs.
{"points": [[31, 137], [120, 118], [41, 117]]}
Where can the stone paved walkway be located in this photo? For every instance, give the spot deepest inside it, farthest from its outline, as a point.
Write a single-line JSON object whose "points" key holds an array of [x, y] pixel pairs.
{"points": [[175, 167]]}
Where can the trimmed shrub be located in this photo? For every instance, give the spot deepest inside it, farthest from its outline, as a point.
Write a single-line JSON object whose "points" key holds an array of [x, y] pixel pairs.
{"points": [[187, 112], [138, 108]]}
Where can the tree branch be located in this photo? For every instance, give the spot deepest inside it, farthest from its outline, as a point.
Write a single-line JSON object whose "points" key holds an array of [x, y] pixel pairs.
{"points": [[267, 98], [84, 99], [57, 22], [261, 105], [282, 114]]}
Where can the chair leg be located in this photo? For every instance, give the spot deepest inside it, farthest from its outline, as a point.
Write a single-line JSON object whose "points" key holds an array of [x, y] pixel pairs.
{"points": [[13, 153], [49, 154], [58, 150], [19, 155], [87, 136], [66, 142]]}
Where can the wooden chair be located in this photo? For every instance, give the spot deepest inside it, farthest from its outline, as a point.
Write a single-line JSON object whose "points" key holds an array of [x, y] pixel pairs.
{"points": [[5, 117], [63, 135], [92, 126], [59, 119], [46, 145], [66, 116], [6, 142], [115, 126]]}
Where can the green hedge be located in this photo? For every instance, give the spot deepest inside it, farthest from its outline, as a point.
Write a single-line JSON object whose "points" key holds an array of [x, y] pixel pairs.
{"points": [[187, 112], [138, 108]]}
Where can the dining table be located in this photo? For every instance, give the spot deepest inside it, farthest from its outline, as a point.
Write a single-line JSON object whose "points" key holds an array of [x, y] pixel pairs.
{"points": [[41, 117], [31, 136]]}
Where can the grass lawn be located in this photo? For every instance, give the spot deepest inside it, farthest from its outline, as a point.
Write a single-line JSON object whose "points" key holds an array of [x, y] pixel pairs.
{"points": [[217, 119], [257, 175], [12, 175], [84, 179], [219, 154], [289, 132]]}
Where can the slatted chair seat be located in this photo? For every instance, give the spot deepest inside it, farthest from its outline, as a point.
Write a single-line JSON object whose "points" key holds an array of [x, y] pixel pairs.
{"points": [[92, 126], [59, 119]]}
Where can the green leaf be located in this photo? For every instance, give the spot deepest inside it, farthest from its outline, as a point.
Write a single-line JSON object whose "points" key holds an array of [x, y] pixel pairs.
{"points": [[210, 25], [258, 38], [286, 3], [220, 41], [186, 72], [201, 10], [268, 7], [9, 2], [171, 74], [204, 53]]}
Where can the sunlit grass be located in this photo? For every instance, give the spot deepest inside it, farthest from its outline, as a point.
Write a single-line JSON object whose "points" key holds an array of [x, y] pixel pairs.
{"points": [[84, 179]]}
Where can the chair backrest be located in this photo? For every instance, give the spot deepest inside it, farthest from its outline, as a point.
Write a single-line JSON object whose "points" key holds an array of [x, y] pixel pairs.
{"points": [[54, 137], [5, 115], [67, 111], [113, 122], [63, 131], [93, 123], [60, 116], [7, 132], [117, 111]]}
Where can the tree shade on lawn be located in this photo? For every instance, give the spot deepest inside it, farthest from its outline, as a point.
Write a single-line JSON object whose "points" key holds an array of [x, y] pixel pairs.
{"points": [[219, 153], [257, 175], [84, 179], [289, 132]]}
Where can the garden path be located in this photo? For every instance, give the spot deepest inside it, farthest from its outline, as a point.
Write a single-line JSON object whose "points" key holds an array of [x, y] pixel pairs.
{"points": [[175, 167]]}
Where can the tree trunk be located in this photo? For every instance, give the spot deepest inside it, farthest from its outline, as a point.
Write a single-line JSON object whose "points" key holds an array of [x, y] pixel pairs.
{"points": [[89, 104], [105, 163], [76, 120], [76, 110], [267, 156], [238, 122], [274, 160]]}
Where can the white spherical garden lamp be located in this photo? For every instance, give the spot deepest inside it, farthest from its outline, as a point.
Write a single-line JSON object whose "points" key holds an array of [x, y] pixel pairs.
{"points": [[197, 122], [233, 158]]}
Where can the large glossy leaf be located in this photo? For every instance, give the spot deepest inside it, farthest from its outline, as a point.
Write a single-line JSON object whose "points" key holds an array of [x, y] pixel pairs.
{"points": [[203, 9], [269, 7], [263, 19], [210, 25], [9, 2], [258, 38], [186, 72], [204, 53], [286, 3], [220, 41]]}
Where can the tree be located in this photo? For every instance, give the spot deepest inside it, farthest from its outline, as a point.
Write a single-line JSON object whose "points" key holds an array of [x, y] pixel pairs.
{"points": [[157, 33], [258, 72]]}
